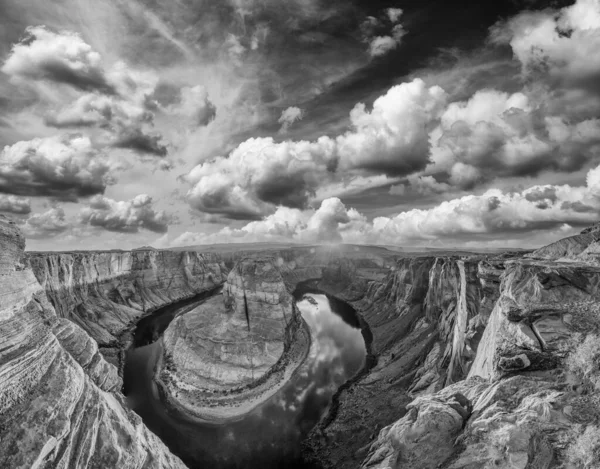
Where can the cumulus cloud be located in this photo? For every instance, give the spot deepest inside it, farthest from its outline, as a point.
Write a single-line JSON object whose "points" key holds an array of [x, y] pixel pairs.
{"points": [[45, 225], [116, 98], [392, 138], [474, 217], [496, 134], [66, 168], [260, 174], [288, 117], [102, 111], [328, 224], [58, 57], [14, 204], [561, 46], [125, 216]]}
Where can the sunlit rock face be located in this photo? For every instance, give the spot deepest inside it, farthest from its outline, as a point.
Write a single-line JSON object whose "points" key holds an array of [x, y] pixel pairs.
{"points": [[105, 293], [56, 408], [524, 403], [233, 351], [571, 248]]}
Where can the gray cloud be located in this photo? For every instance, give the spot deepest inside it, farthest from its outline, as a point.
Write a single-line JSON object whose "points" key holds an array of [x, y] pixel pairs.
{"points": [[62, 167], [125, 216], [135, 139], [45, 225], [14, 204]]}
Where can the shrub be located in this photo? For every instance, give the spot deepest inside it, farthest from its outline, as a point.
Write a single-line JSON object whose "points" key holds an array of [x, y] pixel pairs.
{"points": [[584, 452]]}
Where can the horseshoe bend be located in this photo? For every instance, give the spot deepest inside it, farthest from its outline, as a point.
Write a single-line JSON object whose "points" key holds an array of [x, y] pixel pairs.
{"points": [[310, 356]]}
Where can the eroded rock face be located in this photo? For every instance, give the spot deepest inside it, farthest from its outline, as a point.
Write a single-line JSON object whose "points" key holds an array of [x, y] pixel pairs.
{"points": [[232, 352], [570, 248], [55, 406], [105, 293], [528, 405], [426, 317]]}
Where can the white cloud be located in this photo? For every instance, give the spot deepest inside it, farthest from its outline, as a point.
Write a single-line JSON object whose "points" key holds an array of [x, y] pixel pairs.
{"points": [[381, 45], [260, 174], [394, 14], [496, 134], [289, 116], [475, 218], [125, 216], [59, 57], [563, 45], [65, 167], [393, 137]]}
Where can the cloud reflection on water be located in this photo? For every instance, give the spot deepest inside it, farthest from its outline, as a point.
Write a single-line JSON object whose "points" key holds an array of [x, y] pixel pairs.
{"points": [[270, 436]]}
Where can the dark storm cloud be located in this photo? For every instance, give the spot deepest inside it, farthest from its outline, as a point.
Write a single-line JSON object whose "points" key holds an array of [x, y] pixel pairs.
{"points": [[125, 216]]}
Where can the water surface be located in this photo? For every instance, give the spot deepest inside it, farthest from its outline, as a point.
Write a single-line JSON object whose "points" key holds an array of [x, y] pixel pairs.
{"points": [[270, 436]]}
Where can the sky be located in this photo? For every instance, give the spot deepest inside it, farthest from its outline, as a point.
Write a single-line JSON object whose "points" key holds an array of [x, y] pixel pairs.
{"points": [[436, 123]]}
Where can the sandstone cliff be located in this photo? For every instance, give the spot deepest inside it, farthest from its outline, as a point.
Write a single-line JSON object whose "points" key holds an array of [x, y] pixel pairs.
{"points": [[532, 393], [105, 293], [56, 404], [234, 351]]}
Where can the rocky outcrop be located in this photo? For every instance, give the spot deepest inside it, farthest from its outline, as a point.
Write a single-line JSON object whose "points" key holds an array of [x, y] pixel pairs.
{"points": [[232, 352], [569, 248], [55, 406], [526, 400], [424, 319], [105, 293]]}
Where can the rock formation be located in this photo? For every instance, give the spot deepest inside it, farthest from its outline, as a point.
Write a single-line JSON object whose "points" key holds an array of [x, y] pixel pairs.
{"points": [[56, 404], [105, 293], [227, 355]]}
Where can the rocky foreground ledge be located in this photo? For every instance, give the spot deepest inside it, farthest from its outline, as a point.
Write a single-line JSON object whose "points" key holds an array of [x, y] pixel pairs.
{"points": [[236, 350]]}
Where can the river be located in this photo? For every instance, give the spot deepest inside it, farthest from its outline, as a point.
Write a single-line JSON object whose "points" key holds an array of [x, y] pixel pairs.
{"points": [[271, 435]]}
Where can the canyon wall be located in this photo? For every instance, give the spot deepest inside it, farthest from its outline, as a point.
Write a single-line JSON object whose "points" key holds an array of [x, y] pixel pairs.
{"points": [[531, 395], [59, 400], [424, 318], [470, 357], [106, 293]]}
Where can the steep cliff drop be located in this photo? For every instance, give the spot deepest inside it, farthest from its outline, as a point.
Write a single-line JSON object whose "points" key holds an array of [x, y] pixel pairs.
{"points": [[531, 396], [268, 431], [234, 351], [60, 404]]}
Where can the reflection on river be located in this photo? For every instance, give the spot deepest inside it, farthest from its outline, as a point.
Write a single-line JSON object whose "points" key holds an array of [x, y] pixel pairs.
{"points": [[270, 436]]}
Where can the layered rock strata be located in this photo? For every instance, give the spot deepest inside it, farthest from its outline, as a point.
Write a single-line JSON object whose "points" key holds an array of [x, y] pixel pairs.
{"points": [[532, 393], [234, 351], [105, 293], [57, 408]]}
